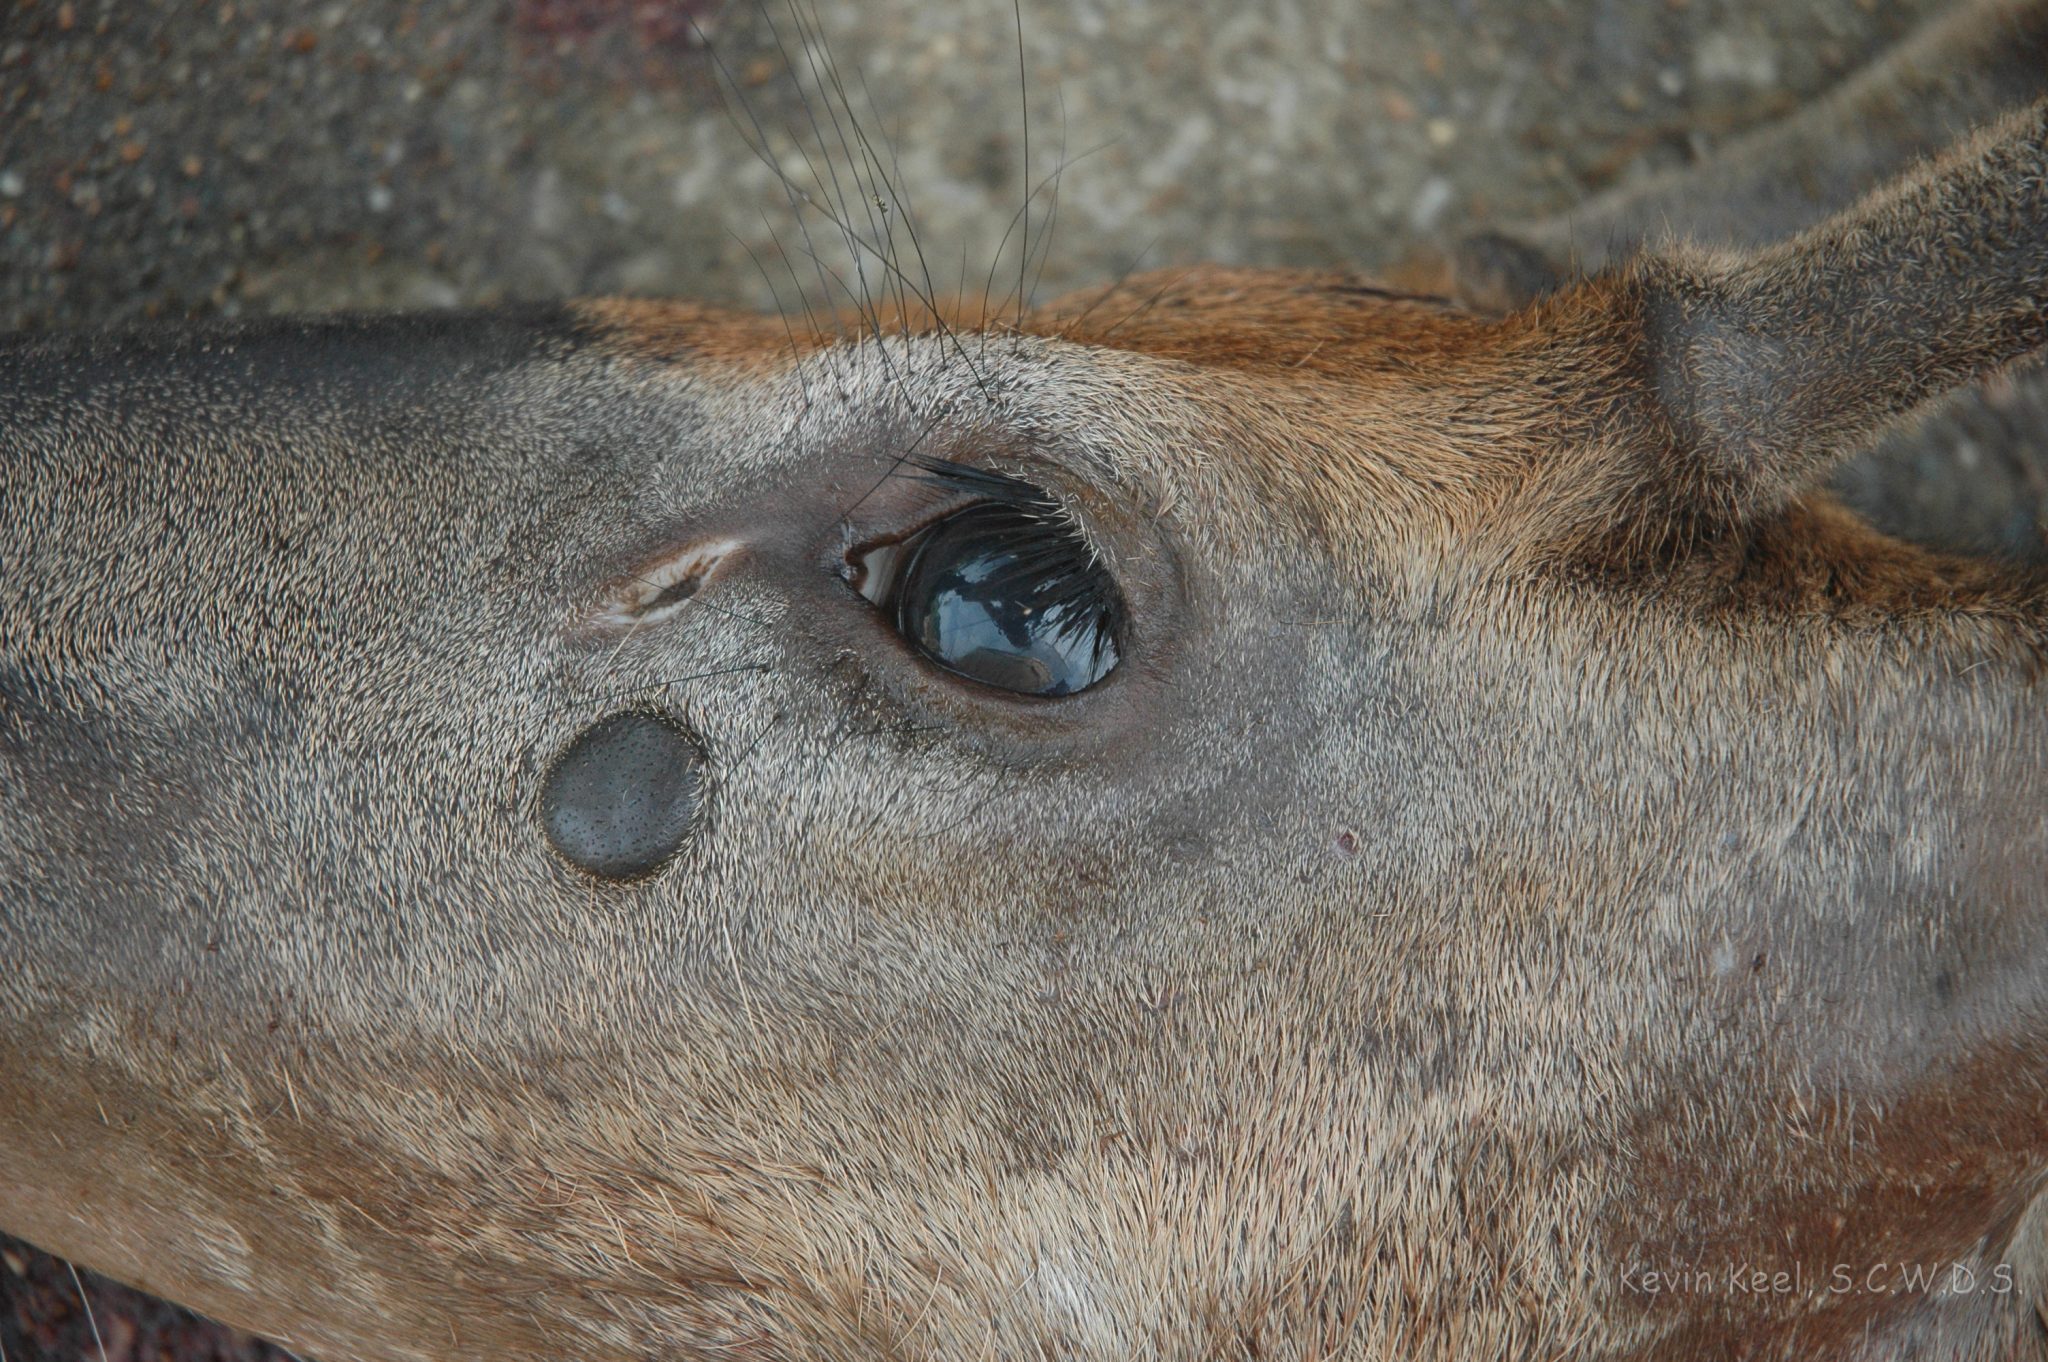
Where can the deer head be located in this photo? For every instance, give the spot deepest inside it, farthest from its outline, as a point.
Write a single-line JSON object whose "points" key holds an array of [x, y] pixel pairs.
{"points": [[1242, 815]]}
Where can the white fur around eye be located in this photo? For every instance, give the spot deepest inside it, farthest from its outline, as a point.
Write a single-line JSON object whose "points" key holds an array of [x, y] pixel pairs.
{"points": [[664, 586]]}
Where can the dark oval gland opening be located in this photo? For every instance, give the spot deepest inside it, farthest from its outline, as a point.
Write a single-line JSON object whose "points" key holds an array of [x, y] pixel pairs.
{"points": [[619, 800]]}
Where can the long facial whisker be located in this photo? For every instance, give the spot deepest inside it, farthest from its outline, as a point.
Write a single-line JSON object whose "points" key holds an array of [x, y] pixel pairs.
{"points": [[1151, 301], [907, 454], [1051, 180], [1071, 325], [893, 179], [841, 731], [857, 246], [757, 141], [880, 244], [732, 614], [796, 352], [888, 177], [1024, 110], [748, 751], [835, 192], [881, 239], [971, 808], [928, 296], [612, 658], [93, 1323], [883, 179], [833, 207], [602, 697], [1052, 212], [881, 228]]}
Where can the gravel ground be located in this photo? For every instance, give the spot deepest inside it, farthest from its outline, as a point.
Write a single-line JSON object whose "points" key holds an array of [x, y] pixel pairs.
{"points": [[164, 160], [49, 1315]]}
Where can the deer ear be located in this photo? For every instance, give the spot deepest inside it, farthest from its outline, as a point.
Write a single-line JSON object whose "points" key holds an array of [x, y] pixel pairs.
{"points": [[1745, 378]]}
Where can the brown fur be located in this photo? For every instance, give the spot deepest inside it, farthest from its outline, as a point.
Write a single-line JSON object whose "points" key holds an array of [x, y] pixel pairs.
{"points": [[1534, 834]]}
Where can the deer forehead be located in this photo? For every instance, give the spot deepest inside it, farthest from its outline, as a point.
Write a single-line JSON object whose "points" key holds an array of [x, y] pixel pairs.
{"points": [[1255, 409]]}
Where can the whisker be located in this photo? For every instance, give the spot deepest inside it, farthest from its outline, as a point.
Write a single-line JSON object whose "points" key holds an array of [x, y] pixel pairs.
{"points": [[732, 614], [796, 282], [878, 244], [929, 295], [657, 685], [972, 808], [758, 142], [1024, 105], [868, 173], [1144, 307], [841, 731], [796, 353], [94, 1324], [836, 192], [832, 206], [741, 760], [856, 245], [1109, 290], [1052, 214], [905, 455], [882, 232], [1016, 218], [627, 637], [810, 315], [890, 177], [881, 241]]}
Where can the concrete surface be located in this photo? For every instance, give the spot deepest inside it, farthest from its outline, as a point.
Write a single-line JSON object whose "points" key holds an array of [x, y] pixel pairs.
{"points": [[168, 158]]}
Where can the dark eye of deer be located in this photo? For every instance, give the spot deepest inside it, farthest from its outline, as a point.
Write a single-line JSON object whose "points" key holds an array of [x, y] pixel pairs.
{"points": [[1007, 594]]}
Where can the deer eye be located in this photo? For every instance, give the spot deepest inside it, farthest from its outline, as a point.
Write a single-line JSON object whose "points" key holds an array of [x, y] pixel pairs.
{"points": [[1005, 592]]}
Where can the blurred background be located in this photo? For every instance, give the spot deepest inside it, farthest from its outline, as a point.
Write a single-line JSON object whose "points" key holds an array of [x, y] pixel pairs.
{"points": [[167, 159], [170, 158]]}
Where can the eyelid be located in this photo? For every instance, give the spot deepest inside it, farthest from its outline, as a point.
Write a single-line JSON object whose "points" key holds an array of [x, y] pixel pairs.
{"points": [[860, 556], [1003, 487]]}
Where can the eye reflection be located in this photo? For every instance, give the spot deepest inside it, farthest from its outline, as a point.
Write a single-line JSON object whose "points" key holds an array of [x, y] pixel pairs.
{"points": [[1008, 599], [1005, 591]]}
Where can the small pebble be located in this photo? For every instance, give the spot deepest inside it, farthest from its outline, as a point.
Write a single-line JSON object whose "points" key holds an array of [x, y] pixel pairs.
{"points": [[1428, 208]]}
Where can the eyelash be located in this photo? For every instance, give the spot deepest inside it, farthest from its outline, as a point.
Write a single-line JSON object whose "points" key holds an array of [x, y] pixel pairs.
{"points": [[1070, 575], [1048, 571]]}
